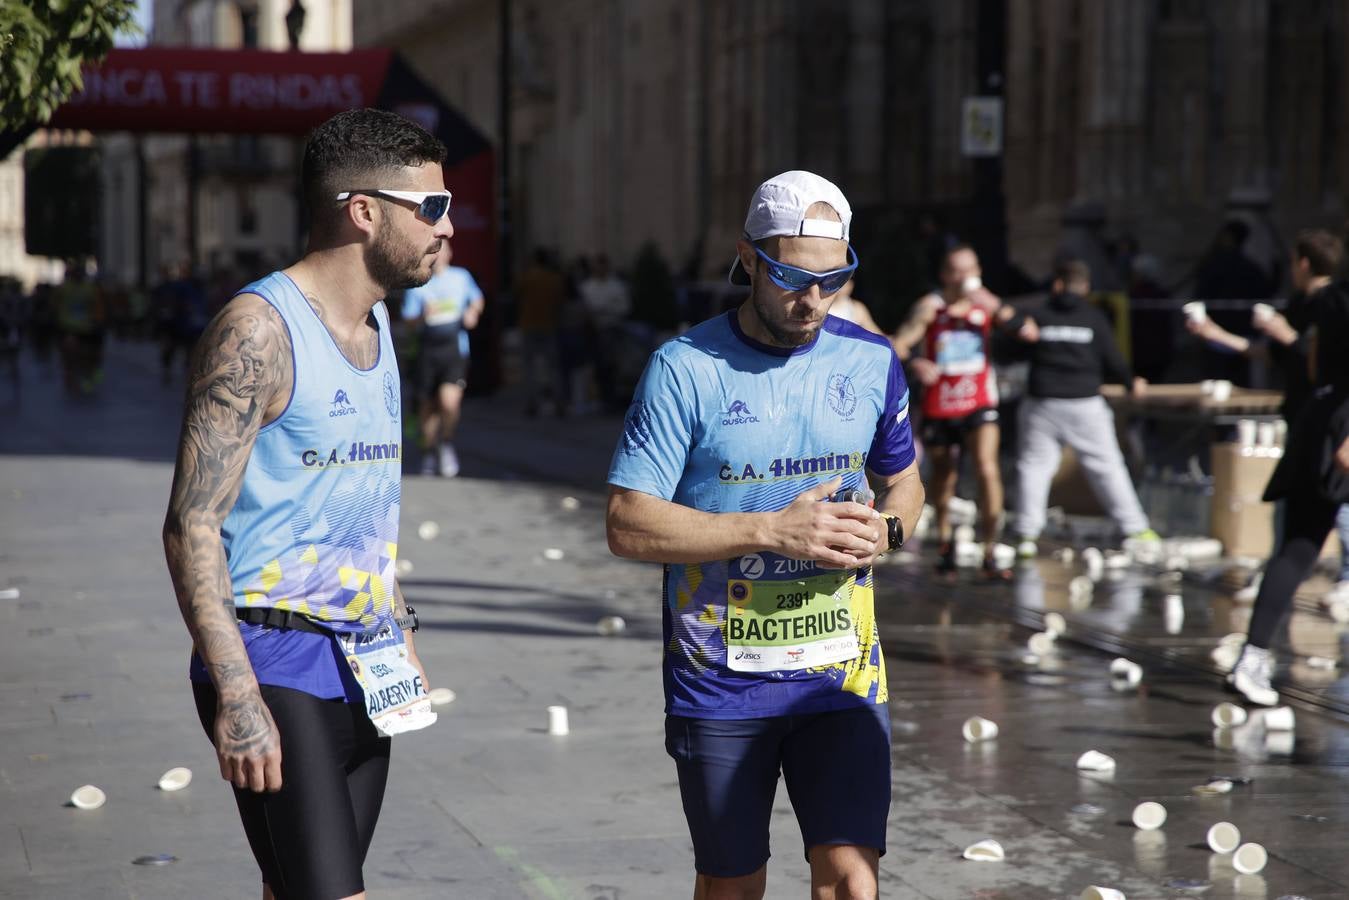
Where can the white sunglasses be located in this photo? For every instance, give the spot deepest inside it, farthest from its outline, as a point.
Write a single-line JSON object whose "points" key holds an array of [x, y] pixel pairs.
{"points": [[431, 205]]}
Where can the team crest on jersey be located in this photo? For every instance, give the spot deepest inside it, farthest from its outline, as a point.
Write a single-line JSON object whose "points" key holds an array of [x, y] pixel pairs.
{"points": [[841, 396], [391, 396]]}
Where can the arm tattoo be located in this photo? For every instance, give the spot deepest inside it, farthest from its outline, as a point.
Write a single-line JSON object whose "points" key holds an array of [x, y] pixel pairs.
{"points": [[242, 363]]}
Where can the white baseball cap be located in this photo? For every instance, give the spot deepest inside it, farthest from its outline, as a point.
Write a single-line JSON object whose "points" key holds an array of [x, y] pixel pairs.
{"points": [[778, 208]]}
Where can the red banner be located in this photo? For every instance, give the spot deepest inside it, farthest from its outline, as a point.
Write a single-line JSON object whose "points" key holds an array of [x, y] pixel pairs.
{"points": [[235, 91]]}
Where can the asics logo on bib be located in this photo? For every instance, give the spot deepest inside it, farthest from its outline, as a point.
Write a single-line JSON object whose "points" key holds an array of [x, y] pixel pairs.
{"points": [[738, 414], [359, 452], [341, 405]]}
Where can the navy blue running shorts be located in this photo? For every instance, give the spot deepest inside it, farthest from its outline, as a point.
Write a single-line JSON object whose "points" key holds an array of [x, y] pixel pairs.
{"points": [[836, 766]]}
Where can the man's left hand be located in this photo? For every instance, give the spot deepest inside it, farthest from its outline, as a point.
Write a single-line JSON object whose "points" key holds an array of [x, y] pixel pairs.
{"points": [[1342, 456]]}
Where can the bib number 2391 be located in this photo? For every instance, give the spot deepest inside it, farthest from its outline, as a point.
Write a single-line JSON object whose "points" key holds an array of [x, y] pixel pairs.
{"points": [[395, 697], [773, 626]]}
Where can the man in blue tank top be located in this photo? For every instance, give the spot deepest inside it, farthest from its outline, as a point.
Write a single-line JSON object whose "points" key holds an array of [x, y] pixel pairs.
{"points": [[282, 528], [740, 432]]}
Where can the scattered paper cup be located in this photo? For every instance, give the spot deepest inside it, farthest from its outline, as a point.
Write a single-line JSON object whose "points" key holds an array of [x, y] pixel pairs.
{"points": [[441, 696], [1195, 311], [978, 729], [1264, 434], [1222, 391], [1246, 430], [1261, 313], [1322, 662], [9, 593], [1149, 816], [175, 779], [1041, 643], [1210, 788], [557, 720], [1228, 715], [1279, 743], [1117, 559], [1278, 719], [608, 626], [1055, 624], [964, 534], [1225, 657], [987, 850], [1101, 893], [1095, 761], [1224, 837], [1081, 585], [1126, 670], [571, 504], [1250, 859], [88, 797], [1173, 614], [1064, 554], [553, 553], [428, 531]]}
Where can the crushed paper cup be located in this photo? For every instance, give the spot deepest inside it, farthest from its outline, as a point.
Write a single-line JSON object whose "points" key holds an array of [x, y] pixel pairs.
{"points": [[9, 593], [987, 850], [441, 696], [1096, 892], [1081, 584], [1322, 662], [557, 721], [1228, 715], [1213, 787], [428, 531], [1223, 837], [1122, 669], [608, 626], [88, 797], [1055, 624], [175, 779], [403, 567], [1095, 761], [571, 504], [1041, 643], [1064, 554], [553, 553], [976, 729], [1250, 859], [1280, 718], [1149, 815]]}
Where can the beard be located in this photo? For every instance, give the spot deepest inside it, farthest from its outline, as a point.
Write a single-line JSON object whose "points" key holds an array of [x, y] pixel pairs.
{"points": [[394, 264], [785, 330]]}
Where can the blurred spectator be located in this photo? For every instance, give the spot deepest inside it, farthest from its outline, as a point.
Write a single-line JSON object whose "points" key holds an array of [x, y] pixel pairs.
{"points": [[540, 293], [937, 241], [1227, 273], [184, 312], [850, 309], [80, 319], [608, 304]]}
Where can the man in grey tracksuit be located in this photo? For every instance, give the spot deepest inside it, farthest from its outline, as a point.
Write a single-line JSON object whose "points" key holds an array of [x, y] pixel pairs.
{"points": [[1074, 354]]}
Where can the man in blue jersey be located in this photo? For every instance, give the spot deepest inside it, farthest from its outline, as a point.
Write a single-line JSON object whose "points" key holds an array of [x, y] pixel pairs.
{"points": [[282, 528], [740, 433], [448, 307]]}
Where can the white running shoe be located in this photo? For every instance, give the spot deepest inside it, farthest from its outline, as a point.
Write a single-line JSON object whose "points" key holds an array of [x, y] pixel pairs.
{"points": [[1251, 676], [449, 461]]}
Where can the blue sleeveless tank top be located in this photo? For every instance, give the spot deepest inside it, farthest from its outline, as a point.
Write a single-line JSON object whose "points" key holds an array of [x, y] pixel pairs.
{"points": [[315, 527]]}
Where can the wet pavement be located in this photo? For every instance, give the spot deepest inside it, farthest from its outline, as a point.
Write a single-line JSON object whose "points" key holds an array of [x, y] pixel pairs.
{"points": [[486, 804]]}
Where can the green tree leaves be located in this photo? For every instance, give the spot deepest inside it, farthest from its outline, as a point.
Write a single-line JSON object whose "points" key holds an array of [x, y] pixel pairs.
{"points": [[43, 43]]}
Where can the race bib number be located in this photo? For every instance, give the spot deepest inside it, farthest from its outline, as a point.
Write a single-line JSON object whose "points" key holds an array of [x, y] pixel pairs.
{"points": [[395, 698], [773, 626], [961, 353]]}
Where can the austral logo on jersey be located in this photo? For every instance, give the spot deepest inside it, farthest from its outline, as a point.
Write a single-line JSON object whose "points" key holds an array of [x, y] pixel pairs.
{"points": [[358, 453], [738, 414], [341, 405], [785, 467]]}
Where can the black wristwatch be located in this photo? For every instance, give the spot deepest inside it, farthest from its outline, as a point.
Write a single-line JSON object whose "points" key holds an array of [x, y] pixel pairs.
{"points": [[410, 622], [894, 528]]}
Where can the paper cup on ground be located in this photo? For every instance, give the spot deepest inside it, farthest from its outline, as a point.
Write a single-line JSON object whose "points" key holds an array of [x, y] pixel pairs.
{"points": [[1227, 715], [88, 797], [428, 531], [9, 594], [1278, 719], [1264, 434], [1101, 893], [553, 553], [1126, 670], [1041, 643], [608, 626], [557, 720], [1250, 859], [1081, 585], [985, 851], [1195, 311], [1224, 838], [403, 568], [175, 779], [1149, 816], [441, 696], [1055, 624], [1095, 761], [1246, 430], [571, 504], [978, 729]]}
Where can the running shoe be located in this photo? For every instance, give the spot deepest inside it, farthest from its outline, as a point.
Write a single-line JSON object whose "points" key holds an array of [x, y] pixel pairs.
{"points": [[1251, 676], [1026, 548], [946, 557], [449, 461], [1146, 536], [428, 466]]}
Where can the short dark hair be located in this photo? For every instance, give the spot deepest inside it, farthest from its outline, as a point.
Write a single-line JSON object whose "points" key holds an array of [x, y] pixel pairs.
{"points": [[953, 250], [1322, 250], [1072, 271], [355, 149]]}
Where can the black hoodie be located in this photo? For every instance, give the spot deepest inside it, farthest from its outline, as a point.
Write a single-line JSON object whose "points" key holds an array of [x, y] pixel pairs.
{"points": [[1076, 352]]}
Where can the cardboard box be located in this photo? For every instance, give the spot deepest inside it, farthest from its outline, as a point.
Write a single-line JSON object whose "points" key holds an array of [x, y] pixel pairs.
{"points": [[1238, 517]]}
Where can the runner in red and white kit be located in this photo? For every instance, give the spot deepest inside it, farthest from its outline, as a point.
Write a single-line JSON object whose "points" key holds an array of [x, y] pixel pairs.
{"points": [[954, 331]]}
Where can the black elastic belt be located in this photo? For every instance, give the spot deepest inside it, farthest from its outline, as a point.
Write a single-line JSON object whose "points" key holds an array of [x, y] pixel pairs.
{"points": [[278, 618]]}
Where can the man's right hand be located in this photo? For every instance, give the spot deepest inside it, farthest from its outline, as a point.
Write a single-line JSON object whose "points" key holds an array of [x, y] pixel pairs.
{"points": [[248, 746], [927, 371], [835, 535]]}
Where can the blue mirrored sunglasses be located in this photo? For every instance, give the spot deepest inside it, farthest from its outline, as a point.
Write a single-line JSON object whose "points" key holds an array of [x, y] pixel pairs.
{"points": [[790, 278], [431, 205]]}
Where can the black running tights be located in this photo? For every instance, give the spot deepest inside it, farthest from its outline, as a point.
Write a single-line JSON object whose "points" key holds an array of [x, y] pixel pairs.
{"points": [[1308, 519]]}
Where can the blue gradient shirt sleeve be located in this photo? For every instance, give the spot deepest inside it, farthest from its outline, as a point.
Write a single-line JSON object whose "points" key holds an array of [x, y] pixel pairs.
{"points": [[653, 450], [892, 449]]}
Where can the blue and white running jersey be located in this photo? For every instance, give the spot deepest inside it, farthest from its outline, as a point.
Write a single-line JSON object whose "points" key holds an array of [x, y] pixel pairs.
{"points": [[722, 423], [315, 527]]}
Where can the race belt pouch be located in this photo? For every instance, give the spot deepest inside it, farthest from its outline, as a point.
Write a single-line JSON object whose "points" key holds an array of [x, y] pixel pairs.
{"points": [[396, 698]]}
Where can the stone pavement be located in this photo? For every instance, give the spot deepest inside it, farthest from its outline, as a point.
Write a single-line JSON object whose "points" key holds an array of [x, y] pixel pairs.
{"points": [[485, 804]]}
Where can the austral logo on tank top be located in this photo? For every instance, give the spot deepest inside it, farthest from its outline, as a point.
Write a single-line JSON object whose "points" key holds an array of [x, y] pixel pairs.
{"points": [[342, 405]]}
